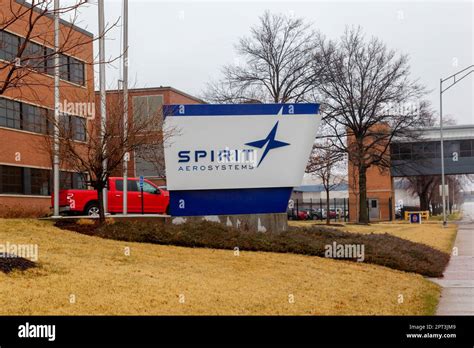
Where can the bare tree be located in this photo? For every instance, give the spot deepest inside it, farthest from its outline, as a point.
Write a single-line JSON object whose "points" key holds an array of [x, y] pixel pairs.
{"points": [[427, 189], [23, 57], [323, 163], [112, 144], [424, 187], [276, 64], [368, 99]]}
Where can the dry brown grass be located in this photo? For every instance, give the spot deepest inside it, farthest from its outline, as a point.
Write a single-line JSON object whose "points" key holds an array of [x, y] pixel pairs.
{"points": [[22, 212], [151, 280], [430, 233]]}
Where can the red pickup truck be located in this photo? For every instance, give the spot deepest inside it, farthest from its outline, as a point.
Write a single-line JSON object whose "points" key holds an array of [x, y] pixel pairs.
{"points": [[155, 199]]}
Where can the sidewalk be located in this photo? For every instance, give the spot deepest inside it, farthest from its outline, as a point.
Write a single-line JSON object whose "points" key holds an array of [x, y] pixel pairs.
{"points": [[457, 296]]}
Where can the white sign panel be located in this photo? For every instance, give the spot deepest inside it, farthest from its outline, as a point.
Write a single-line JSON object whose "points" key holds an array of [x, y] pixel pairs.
{"points": [[239, 151]]}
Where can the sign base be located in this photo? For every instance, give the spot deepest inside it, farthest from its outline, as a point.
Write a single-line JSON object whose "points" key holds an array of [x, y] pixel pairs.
{"points": [[263, 223]]}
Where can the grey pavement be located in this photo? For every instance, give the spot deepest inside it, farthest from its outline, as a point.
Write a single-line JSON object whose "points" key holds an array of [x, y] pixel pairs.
{"points": [[457, 295]]}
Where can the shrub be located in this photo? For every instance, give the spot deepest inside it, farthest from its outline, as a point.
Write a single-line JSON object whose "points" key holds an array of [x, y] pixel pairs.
{"points": [[381, 249]]}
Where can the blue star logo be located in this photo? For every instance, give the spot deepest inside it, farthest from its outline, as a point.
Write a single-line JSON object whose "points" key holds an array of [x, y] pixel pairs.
{"points": [[269, 143]]}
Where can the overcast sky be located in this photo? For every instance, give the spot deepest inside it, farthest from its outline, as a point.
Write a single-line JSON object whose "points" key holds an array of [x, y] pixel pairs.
{"points": [[185, 44]]}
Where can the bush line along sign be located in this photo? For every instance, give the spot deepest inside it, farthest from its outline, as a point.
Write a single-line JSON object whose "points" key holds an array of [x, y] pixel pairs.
{"points": [[236, 159]]}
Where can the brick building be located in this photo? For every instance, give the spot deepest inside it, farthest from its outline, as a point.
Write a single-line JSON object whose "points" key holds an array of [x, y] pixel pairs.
{"points": [[25, 163], [142, 102], [380, 189], [380, 194]]}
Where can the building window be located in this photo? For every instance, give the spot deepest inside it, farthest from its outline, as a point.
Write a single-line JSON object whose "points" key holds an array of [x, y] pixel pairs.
{"points": [[63, 67], [76, 69], [33, 57], [79, 181], [65, 180], [405, 151], [39, 179], [150, 161], [79, 128], [49, 68], [65, 129], [147, 107], [11, 180], [38, 120], [10, 114], [73, 127], [38, 182], [430, 150], [451, 147], [35, 119], [41, 58], [467, 148], [9, 44], [72, 181]]}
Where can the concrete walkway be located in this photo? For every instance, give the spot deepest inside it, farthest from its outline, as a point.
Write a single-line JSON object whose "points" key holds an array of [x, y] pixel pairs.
{"points": [[457, 296]]}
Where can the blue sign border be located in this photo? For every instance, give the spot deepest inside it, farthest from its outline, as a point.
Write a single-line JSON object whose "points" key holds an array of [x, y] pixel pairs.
{"points": [[240, 109]]}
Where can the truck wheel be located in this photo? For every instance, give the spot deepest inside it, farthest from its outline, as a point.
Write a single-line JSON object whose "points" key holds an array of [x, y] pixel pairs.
{"points": [[167, 211], [92, 209]]}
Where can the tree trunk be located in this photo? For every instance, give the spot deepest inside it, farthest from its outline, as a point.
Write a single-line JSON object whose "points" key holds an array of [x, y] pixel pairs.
{"points": [[328, 219], [363, 209], [100, 197], [424, 201]]}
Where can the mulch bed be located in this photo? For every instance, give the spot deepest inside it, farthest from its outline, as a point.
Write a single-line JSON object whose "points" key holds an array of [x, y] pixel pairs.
{"points": [[9, 263], [380, 249]]}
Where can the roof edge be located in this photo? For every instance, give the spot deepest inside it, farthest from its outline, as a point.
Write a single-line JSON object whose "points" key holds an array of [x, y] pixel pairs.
{"points": [[168, 88], [61, 21]]}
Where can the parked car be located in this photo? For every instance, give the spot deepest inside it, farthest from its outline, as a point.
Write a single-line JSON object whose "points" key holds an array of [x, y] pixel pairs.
{"points": [[303, 215], [333, 214], [155, 199], [314, 214], [294, 215]]}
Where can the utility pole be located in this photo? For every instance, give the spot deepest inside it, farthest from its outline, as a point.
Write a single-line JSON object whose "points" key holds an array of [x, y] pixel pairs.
{"points": [[125, 105], [56, 112], [103, 101]]}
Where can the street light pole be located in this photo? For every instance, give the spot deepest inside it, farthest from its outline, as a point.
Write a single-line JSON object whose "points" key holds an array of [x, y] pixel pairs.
{"points": [[443, 188], [455, 79]]}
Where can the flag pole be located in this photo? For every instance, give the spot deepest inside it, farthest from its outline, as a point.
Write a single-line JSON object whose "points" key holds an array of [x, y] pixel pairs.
{"points": [[125, 105], [56, 112]]}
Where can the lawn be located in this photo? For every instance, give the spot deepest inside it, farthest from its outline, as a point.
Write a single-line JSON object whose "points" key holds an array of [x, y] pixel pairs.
{"points": [[167, 280], [431, 233]]}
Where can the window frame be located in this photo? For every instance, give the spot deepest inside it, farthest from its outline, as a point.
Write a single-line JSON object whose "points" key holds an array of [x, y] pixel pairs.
{"points": [[5, 54], [18, 176], [46, 58]]}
